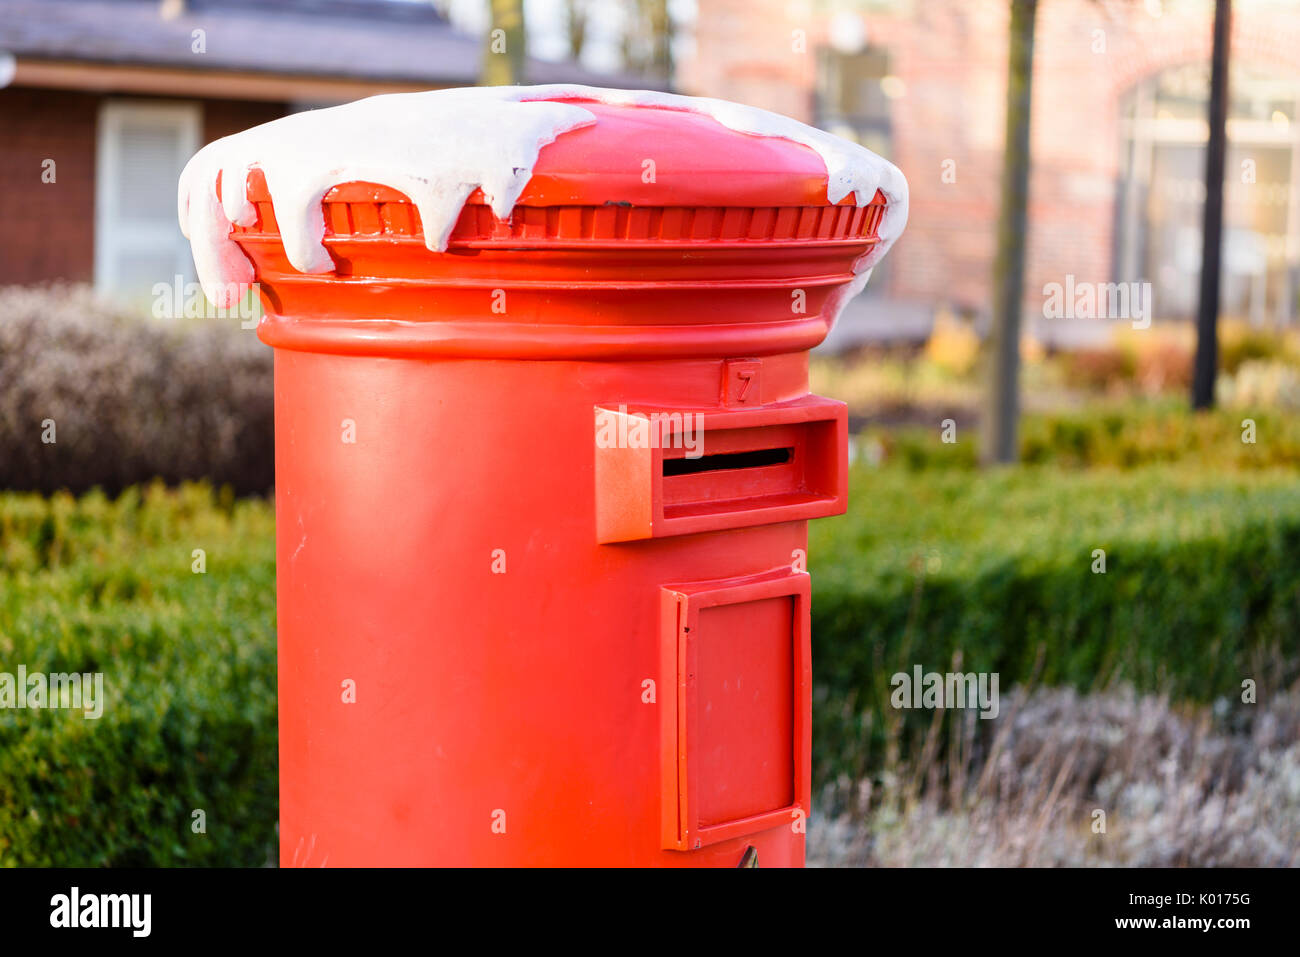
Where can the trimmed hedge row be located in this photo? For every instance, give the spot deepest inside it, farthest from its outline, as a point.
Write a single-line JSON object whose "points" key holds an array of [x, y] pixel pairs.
{"points": [[1124, 436], [189, 679], [994, 572]]}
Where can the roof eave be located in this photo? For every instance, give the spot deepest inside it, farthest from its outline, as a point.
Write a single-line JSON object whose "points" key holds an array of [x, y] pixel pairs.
{"points": [[164, 80]]}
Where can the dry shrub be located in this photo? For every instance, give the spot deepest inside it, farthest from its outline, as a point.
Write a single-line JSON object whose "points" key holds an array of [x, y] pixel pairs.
{"points": [[130, 398], [1154, 360], [1102, 369], [1178, 787], [1165, 366]]}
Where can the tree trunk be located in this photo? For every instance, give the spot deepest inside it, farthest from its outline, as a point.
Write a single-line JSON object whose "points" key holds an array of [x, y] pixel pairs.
{"points": [[575, 27], [504, 51], [648, 40], [1000, 420], [1207, 311], [661, 33]]}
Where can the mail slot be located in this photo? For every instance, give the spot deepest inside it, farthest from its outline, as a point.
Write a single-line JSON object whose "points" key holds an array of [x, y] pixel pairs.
{"points": [[545, 457], [782, 462]]}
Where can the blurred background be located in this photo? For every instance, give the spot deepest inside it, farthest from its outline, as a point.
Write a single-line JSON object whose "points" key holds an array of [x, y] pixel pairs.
{"points": [[1032, 494]]}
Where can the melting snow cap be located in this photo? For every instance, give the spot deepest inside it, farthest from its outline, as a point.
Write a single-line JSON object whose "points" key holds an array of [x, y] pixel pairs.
{"points": [[543, 145]]}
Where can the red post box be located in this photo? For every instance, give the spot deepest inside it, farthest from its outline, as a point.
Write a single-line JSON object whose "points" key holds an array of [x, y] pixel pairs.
{"points": [[542, 489]]}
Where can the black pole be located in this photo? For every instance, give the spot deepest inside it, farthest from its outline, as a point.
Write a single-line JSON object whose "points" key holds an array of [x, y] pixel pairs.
{"points": [[1207, 313]]}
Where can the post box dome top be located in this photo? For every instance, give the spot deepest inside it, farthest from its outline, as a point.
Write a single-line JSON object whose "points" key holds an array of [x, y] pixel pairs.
{"points": [[543, 145]]}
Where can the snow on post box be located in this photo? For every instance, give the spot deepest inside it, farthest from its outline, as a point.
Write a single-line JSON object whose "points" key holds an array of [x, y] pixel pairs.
{"points": [[545, 456]]}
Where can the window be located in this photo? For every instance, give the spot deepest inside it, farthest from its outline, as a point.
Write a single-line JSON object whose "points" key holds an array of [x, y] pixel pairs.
{"points": [[141, 149], [854, 97], [1162, 192]]}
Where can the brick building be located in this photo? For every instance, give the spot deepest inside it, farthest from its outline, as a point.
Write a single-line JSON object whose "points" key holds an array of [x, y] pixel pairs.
{"points": [[103, 101], [1118, 133]]}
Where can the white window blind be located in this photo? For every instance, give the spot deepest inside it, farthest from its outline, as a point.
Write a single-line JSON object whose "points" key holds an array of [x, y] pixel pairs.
{"points": [[142, 148]]}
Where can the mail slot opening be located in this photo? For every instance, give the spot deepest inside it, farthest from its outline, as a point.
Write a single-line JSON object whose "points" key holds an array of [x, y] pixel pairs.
{"points": [[747, 470], [756, 458]]}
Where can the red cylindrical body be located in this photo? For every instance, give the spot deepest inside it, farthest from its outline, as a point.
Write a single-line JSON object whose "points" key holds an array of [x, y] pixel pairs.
{"points": [[542, 504]]}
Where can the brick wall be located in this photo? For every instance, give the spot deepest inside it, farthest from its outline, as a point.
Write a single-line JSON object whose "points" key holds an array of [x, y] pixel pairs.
{"points": [[951, 57], [47, 229], [223, 117]]}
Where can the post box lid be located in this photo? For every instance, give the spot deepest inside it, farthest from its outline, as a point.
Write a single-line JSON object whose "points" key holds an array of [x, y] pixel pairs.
{"points": [[633, 178]]}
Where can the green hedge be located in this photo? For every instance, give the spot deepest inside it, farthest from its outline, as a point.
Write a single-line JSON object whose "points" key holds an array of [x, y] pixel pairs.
{"points": [[1128, 435], [1201, 589], [93, 585]]}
